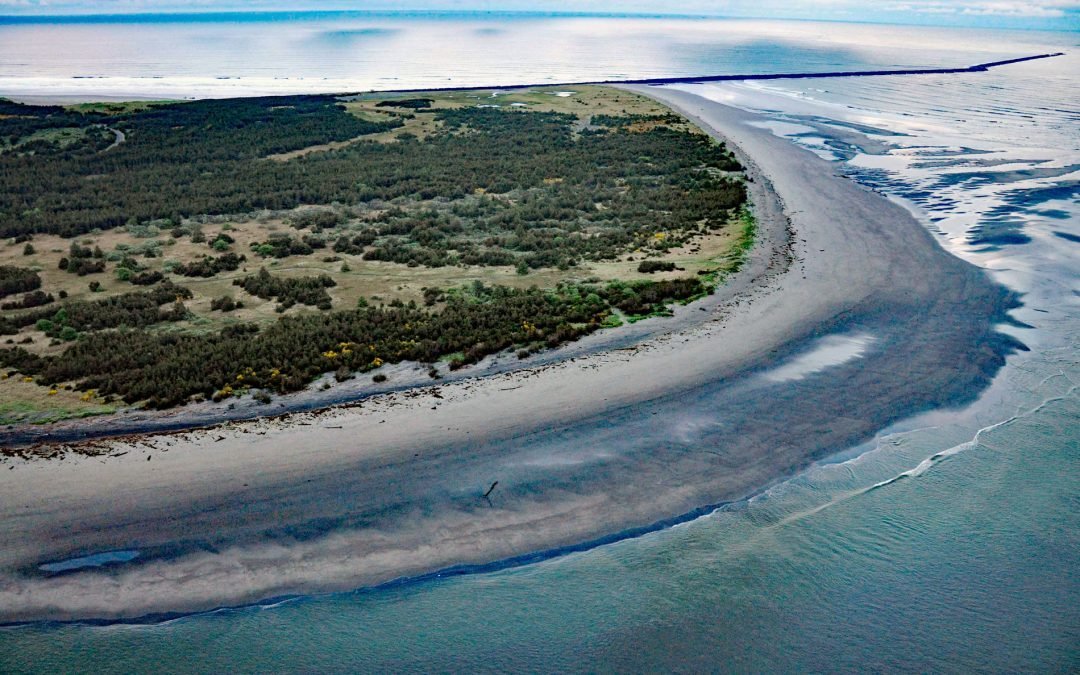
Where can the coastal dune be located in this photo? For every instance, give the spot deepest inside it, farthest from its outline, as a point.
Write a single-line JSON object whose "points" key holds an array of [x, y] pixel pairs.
{"points": [[847, 317]]}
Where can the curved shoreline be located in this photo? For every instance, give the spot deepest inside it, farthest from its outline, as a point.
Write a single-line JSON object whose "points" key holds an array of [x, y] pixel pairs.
{"points": [[771, 254], [580, 449], [21, 439]]}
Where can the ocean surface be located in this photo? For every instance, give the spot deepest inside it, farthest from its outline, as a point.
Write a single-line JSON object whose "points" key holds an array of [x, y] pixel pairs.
{"points": [[250, 54], [949, 543]]}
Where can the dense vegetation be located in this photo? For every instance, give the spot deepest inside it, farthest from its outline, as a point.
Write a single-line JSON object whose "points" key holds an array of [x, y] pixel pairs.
{"points": [[589, 196], [492, 187], [132, 310], [288, 291], [17, 280], [208, 266], [482, 186], [179, 159], [167, 369]]}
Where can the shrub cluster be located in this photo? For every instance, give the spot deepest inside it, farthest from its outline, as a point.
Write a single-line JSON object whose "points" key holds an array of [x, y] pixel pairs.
{"points": [[283, 246], [168, 368], [17, 280], [146, 278], [225, 304], [289, 290], [208, 266], [133, 310], [29, 301]]}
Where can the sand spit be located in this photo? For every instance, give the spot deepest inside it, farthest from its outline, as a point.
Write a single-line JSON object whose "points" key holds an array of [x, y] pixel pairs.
{"points": [[580, 449]]}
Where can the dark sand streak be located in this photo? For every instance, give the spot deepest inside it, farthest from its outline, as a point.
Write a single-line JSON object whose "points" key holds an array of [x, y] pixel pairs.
{"points": [[609, 443]]}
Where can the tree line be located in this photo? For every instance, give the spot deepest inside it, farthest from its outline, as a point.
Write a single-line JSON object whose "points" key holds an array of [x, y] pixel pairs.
{"points": [[133, 310], [166, 369], [17, 280]]}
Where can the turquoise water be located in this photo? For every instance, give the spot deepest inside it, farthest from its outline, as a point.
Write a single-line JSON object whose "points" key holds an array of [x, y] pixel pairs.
{"points": [[96, 560], [950, 543]]}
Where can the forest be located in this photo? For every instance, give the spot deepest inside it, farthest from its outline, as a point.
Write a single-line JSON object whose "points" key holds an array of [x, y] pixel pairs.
{"points": [[493, 187], [523, 190], [165, 369], [178, 160]]}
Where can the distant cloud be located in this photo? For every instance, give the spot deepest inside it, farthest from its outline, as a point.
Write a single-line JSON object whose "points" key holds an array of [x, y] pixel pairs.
{"points": [[1017, 8], [1061, 14]]}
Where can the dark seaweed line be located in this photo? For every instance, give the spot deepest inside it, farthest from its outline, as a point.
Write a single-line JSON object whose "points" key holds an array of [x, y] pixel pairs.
{"points": [[656, 81], [416, 580]]}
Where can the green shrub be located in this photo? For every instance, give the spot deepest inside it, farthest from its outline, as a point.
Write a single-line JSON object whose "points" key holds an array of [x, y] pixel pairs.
{"points": [[650, 266]]}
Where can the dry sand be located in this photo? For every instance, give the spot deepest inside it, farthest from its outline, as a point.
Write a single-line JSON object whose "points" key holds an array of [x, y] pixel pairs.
{"points": [[581, 449]]}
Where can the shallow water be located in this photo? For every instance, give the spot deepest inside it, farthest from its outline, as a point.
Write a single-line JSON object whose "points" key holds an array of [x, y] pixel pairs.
{"points": [[949, 543], [95, 560]]}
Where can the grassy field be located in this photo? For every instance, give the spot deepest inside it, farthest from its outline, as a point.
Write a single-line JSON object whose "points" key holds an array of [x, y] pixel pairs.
{"points": [[115, 107], [25, 402], [161, 249], [583, 102]]}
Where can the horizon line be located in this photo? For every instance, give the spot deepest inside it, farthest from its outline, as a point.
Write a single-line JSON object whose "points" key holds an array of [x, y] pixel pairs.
{"points": [[178, 15]]}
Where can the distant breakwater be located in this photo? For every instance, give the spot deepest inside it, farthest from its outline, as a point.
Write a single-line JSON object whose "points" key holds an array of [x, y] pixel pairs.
{"points": [[977, 68], [698, 79]]}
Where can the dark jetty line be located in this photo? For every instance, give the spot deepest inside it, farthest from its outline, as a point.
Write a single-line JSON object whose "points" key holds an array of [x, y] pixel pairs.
{"points": [[656, 81], [977, 68]]}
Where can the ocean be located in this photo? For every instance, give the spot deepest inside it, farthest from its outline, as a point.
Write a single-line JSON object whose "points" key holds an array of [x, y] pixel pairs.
{"points": [[160, 56], [950, 542]]}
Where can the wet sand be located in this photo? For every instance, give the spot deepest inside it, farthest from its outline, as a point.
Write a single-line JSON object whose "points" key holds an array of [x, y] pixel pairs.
{"points": [[580, 449]]}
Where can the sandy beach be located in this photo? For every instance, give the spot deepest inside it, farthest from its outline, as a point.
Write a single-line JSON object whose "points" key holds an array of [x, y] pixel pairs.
{"points": [[809, 350]]}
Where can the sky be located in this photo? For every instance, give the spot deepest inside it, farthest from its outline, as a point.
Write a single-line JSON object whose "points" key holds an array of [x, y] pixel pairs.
{"points": [[1044, 14]]}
